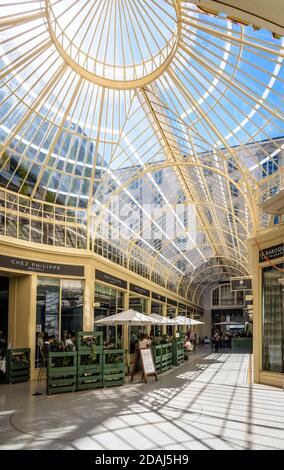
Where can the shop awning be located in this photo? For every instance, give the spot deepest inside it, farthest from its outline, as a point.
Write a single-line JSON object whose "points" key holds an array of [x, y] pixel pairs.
{"points": [[128, 317]]}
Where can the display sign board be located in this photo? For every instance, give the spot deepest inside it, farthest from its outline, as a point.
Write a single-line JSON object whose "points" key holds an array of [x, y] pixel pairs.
{"points": [[23, 264], [249, 298], [159, 297], [139, 290], [171, 302], [109, 279], [182, 306], [147, 363], [273, 252], [241, 283]]}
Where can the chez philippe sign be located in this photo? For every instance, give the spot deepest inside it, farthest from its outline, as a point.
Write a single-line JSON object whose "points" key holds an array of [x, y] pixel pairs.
{"points": [[22, 264], [272, 252]]}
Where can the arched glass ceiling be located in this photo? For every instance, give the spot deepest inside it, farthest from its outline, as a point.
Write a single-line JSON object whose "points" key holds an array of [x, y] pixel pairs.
{"points": [[172, 114]]}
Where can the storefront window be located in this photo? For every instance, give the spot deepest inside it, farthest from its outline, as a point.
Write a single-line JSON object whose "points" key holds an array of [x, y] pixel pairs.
{"points": [[109, 301], [170, 314], [72, 306], [227, 296], [157, 308], [47, 313], [215, 297], [139, 304], [59, 309], [273, 320], [47, 307]]}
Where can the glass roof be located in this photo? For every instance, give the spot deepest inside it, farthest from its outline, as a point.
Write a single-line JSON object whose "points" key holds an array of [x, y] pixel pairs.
{"points": [[158, 122]]}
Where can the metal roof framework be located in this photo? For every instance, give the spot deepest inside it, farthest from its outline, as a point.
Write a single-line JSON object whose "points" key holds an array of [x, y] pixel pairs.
{"points": [[99, 97]]}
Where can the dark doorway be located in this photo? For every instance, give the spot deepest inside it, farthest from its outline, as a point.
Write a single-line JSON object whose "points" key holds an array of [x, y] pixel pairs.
{"points": [[4, 305]]}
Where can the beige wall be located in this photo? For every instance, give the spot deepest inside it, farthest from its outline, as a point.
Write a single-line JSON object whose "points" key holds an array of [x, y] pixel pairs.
{"points": [[266, 238], [22, 312]]}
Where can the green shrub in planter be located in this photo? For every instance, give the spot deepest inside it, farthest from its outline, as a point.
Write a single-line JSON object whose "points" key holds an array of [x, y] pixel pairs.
{"points": [[113, 367], [17, 365], [61, 372], [89, 369]]}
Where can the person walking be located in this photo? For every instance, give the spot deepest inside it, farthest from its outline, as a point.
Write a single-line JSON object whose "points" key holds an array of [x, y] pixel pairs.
{"points": [[216, 341]]}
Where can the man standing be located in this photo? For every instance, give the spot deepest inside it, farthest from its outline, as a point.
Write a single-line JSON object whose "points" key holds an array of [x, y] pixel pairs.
{"points": [[216, 341]]}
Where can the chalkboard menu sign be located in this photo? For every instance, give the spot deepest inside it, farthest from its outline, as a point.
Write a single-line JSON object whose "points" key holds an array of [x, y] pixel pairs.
{"points": [[23, 264], [139, 290], [147, 362], [272, 252], [109, 279]]}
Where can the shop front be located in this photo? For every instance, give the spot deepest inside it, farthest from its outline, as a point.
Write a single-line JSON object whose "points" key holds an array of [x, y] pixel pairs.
{"points": [[41, 300], [139, 300], [171, 314], [109, 299], [159, 307], [48, 296], [59, 310], [266, 256]]}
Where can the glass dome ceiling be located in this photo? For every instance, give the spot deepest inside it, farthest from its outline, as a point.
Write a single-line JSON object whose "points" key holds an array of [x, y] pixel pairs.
{"points": [[174, 115]]}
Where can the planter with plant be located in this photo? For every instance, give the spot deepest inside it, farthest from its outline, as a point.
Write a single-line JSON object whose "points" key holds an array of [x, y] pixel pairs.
{"points": [[18, 365], [157, 355], [86, 340], [61, 372], [178, 352], [90, 369], [113, 367], [167, 356]]}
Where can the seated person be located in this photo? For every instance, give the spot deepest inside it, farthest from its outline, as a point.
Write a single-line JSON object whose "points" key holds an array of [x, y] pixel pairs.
{"points": [[3, 344]]}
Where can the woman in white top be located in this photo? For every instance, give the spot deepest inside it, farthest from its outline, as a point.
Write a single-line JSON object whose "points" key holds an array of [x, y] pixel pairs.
{"points": [[144, 342]]}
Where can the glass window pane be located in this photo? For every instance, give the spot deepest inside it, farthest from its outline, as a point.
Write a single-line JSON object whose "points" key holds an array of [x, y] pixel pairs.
{"points": [[140, 305], [72, 306], [273, 320], [47, 312], [108, 301]]}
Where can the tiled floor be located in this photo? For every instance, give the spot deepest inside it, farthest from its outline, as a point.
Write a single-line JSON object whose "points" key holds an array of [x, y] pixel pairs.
{"points": [[207, 403]]}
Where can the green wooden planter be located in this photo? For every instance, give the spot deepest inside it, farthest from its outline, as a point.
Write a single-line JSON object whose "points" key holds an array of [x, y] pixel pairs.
{"points": [[167, 357], [17, 365], [97, 335], [113, 367], [157, 355], [89, 370], [178, 352], [242, 345], [61, 372], [163, 357]]}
